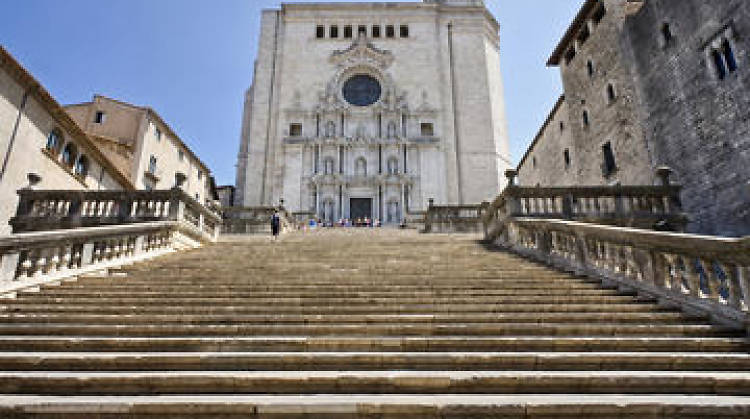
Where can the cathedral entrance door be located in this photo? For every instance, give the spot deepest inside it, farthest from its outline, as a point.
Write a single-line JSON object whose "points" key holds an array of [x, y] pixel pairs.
{"points": [[360, 208]]}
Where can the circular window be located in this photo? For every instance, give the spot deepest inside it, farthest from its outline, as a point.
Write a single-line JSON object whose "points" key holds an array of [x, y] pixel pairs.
{"points": [[362, 90]]}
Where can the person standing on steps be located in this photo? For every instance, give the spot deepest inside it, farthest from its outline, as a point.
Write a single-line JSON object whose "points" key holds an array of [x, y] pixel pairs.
{"points": [[275, 224]]}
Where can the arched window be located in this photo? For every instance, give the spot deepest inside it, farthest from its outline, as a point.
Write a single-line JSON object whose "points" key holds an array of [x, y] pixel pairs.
{"points": [[392, 166], [726, 49], [590, 68], [720, 67], [54, 141], [666, 33], [611, 95], [152, 165], [82, 166], [328, 166], [360, 167], [69, 154]]}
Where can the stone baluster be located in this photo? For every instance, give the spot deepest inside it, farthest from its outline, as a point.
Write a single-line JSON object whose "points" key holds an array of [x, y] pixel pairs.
{"points": [[713, 283]]}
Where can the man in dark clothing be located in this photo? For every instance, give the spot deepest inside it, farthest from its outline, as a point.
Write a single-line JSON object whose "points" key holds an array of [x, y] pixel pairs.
{"points": [[275, 224]]}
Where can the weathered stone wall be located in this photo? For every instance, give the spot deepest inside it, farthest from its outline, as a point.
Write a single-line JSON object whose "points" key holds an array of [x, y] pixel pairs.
{"points": [[697, 123]]}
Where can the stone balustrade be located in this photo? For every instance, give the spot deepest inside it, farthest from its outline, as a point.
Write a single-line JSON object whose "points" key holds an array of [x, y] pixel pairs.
{"points": [[454, 218], [701, 274], [60, 209], [255, 220]]}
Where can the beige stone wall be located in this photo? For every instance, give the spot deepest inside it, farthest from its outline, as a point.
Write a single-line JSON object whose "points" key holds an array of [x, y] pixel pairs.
{"points": [[136, 126], [28, 152], [544, 163]]}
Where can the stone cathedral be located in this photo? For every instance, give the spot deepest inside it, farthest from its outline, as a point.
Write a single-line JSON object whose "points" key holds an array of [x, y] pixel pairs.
{"points": [[371, 109]]}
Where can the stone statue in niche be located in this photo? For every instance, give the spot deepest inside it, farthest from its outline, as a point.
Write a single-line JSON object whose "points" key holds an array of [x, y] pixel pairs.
{"points": [[392, 129], [330, 129]]}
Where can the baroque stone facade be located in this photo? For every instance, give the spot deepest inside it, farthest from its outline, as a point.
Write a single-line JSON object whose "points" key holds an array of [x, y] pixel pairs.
{"points": [[652, 83], [38, 136], [371, 109]]}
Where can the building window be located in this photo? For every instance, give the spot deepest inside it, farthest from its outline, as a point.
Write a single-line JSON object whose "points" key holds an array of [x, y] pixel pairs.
{"points": [[376, 31], [69, 154], [566, 158], [427, 129], [390, 31], [54, 141], [295, 130], [599, 14], [562, 126], [404, 31], [728, 52], [586, 121], [392, 166], [533, 162], [157, 133], [181, 155], [590, 68], [198, 197], [152, 165], [99, 117], [320, 32], [362, 30], [609, 166], [723, 58], [584, 35], [334, 32], [611, 95], [347, 31], [570, 54], [666, 34], [82, 166]]}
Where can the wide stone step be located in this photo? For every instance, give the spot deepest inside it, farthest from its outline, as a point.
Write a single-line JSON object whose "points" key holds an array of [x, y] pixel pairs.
{"points": [[448, 361], [372, 329], [380, 344], [375, 382], [63, 306], [386, 406], [273, 302], [135, 317], [328, 280]]}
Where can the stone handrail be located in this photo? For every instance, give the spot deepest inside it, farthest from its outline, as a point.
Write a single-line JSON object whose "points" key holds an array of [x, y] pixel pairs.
{"points": [[62, 209], [700, 274], [627, 206], [454, 218], [255, 220], [30, 259]]}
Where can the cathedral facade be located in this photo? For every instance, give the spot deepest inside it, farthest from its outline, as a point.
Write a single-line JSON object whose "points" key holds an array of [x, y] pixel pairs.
{"points": [[371, 109]]}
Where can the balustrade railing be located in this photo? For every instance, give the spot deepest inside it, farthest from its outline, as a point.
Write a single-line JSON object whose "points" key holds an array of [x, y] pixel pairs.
{"points": [[57, 209], [454, 218], [256, 220]]}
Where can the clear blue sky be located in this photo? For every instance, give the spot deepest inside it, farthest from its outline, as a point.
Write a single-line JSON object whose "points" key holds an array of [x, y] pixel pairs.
{"points": [[191, 60]]}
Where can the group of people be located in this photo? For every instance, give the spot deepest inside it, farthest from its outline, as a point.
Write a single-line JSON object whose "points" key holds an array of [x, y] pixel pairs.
{"points": [[346, 222]]}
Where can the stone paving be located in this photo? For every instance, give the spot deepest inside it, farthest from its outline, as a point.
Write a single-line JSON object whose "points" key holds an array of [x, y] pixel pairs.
{"points": [[357, 323]]}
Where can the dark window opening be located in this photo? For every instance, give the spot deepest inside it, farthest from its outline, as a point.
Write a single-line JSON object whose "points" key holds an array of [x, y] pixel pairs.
{"points": [[562, 126], [99, 118], [347, 31], [390, 31], [599, 14], [721, 70], [566, 157], [54, 141], [666, 33], [570, 54], [726, 48], [586, 120], [609, 165], [590, 68], [533, 162], [295, 130], [82, 166], [611, 96], [69, 154], [362, 30], [376, 31], [334, 31], [404, 31], [584, 35], [427, 129], [320, 32], [152, 165]]}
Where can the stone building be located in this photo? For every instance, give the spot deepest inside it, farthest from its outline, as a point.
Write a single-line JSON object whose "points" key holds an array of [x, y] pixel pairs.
{"points": [[38, 136], [599, 137], [370, 109], [142, 145], [690, 62], [226, 195], [652, 83]]}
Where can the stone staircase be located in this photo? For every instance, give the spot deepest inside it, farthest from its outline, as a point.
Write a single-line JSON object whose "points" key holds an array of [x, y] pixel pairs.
{"points": [[358, 323]]}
